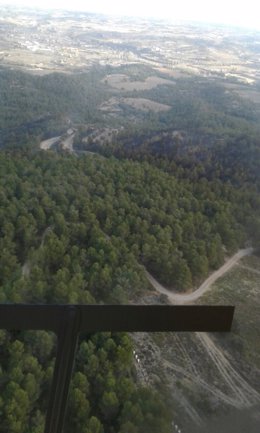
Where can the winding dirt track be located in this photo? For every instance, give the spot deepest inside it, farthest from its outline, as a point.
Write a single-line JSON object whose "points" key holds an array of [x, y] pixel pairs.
{"points": [[241, 394], [177, 298]]}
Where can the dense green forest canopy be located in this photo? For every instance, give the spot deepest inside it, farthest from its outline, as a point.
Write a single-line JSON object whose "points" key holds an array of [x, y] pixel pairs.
{"points": [[33, 107], [55, 235], [83, 229], [109, 217]]}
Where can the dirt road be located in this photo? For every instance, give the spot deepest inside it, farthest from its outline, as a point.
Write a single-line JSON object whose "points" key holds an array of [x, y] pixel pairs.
{"points": [[177, 298], [242, 393], [228, 385]]}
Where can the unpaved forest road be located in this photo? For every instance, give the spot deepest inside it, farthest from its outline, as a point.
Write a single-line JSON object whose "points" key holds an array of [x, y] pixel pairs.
{"points": [[26, 268], [237, 392], [241, 394], [177, 298]]}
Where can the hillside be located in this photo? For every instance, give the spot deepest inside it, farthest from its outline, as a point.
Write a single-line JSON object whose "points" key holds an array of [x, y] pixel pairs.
{"points": [[129, 162], [83, 230]]}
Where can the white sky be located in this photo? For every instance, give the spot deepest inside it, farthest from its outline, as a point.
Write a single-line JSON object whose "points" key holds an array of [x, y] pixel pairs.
{"points": [[237, 12]]}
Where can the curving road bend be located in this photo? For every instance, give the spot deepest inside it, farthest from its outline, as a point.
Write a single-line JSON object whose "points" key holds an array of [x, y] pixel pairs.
{"points": [[178, 298], [239, 393]]}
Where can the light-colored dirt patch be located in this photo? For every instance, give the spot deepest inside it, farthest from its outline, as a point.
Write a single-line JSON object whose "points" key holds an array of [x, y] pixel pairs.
{"points": [[47, 144], [154, 364], [67, 143], [229, 387], [26, 269], [123, 82]]}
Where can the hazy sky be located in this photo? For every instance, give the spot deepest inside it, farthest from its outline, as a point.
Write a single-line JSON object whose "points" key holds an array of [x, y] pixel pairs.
{"points": [[237, 12]]}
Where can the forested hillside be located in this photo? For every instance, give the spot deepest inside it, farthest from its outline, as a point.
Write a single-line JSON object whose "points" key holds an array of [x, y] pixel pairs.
{"points": [[33, 106], [53, 250], [129, 154], [108, 218], [82, 230], [200, 110], [173, 192]]}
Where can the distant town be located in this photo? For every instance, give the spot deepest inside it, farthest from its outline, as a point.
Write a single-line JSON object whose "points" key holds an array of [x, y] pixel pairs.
{"points": [[44, 42]]}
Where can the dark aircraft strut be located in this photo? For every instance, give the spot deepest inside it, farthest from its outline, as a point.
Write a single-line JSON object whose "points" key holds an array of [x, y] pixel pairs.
{"points": [[68, 321]]}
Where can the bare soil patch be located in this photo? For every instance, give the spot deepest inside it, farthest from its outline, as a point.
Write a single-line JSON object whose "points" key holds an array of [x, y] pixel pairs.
{"points": [[47, 144], [123, 82]]}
